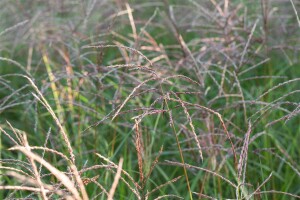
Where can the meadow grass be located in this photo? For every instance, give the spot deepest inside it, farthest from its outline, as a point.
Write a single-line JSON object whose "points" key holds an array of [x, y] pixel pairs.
{"points": [[149, 100]]}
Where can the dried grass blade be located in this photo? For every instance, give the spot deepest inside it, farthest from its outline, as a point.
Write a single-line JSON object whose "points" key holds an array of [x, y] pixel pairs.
{"points": [[244, 154], [116, 181], [58, 174]]}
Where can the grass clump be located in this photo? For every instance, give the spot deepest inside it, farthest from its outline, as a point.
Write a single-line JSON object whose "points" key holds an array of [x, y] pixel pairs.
{"points": [[140, 100]]}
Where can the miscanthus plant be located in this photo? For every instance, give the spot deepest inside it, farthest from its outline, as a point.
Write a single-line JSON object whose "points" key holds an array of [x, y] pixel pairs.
{"points": [[149, 100]]}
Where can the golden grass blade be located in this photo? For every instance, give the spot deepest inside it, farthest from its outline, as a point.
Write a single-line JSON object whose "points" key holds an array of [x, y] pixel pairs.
{"points": [[13, 187], [58, 174], [116, 181]]}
